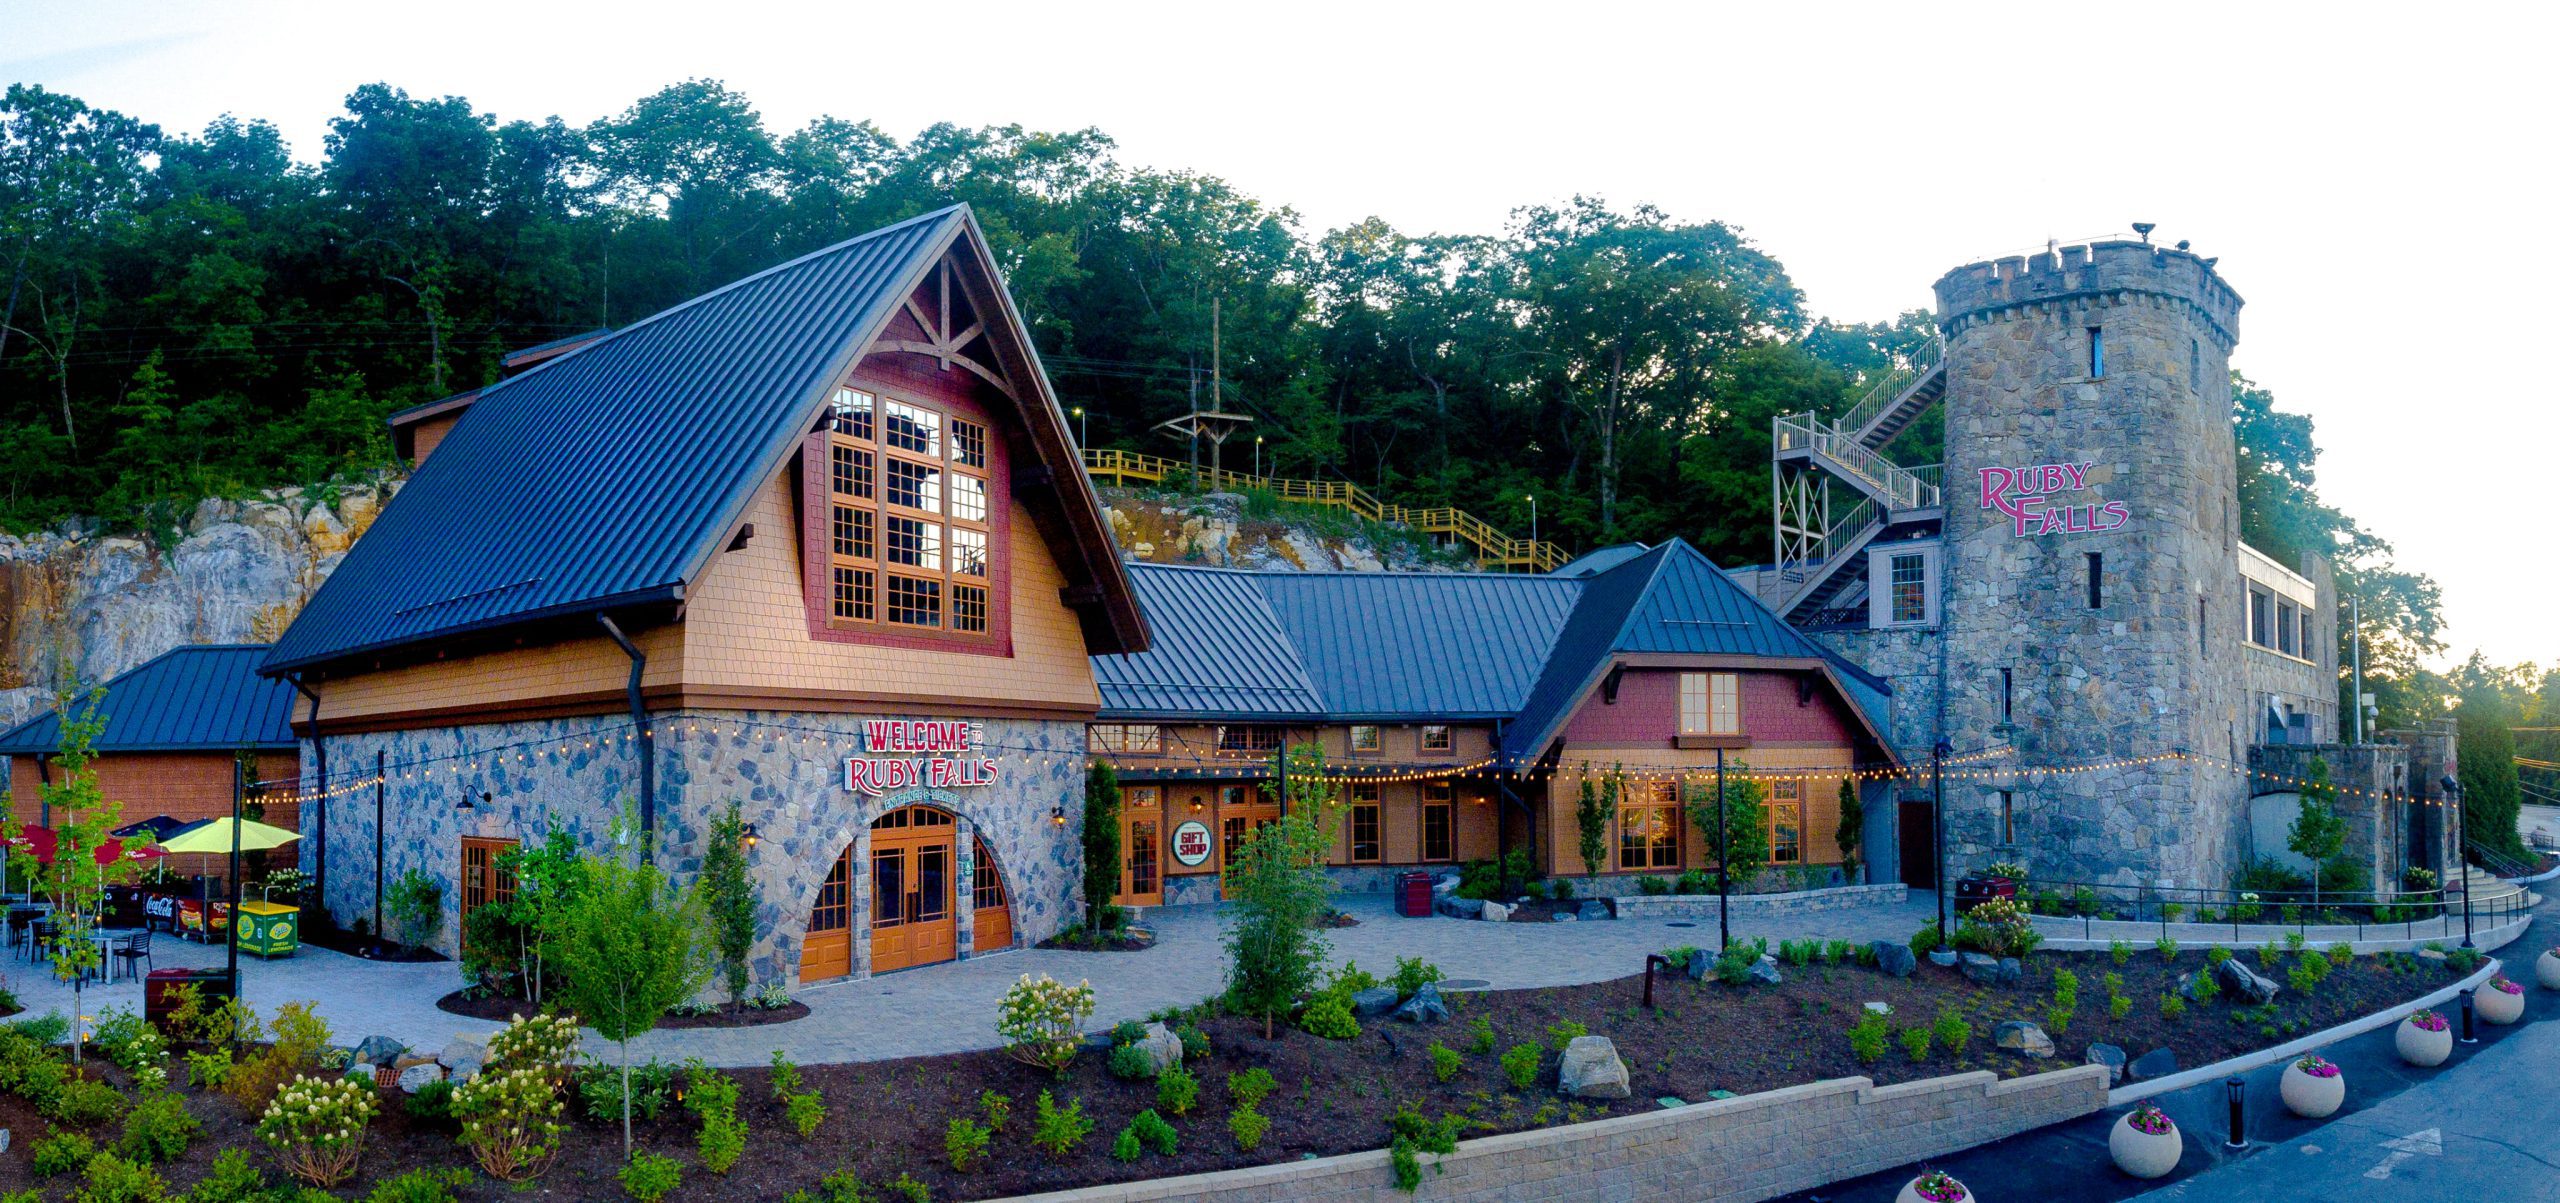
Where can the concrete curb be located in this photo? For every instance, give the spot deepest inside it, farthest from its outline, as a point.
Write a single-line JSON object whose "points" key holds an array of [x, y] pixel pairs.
{"points": [[2295, 1048]]}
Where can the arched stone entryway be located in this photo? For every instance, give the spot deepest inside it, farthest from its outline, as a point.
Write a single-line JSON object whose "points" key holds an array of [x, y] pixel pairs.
{"points": [[918, 886]]}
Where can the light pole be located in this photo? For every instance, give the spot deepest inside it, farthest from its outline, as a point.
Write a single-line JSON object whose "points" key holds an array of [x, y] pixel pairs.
{"points": [[2462, 850], [1938, 826], [1257, 457], [1082, 429], [1533, 519], [1724, 875]]}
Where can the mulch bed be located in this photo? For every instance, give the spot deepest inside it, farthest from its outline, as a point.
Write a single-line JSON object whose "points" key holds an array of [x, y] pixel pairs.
{"points": [[1545, 910], [1135, 939], [730, 1015], [339, 940], [888, 1118]]}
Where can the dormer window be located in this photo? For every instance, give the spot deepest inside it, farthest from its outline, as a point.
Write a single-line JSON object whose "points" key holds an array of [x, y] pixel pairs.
{"points": [[909, 546]]}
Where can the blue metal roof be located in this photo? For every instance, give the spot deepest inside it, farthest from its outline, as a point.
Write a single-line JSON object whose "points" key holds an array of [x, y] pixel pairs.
{"points": [[1448, 645], [204, 698], [1599, 560], [609, 476], [1217, 648]]}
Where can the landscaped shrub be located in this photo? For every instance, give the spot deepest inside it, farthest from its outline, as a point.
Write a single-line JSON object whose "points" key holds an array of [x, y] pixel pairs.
{"points": [[2215, 956], [1195, 1044], [233, 1179], [432, 1105], [712, 1097], [295, 1041], [157, 1129], [112, 1179], [510, 1121], [542, 1043], [83, 1104], [209, 1069], [414, 907], [1565, 1031], [1999, 927], [418, 1186], [1651, 885], [315, 1126], [806, 1110], [1927, 939], [1129, 1062], [1125, 1147], [1733, 967], [1329, 1016], [1695, 881], [1867, 1037], [1915, 1041], [1840, 952], [1445, 1061], [905, 1189], [964, 1141], [1951, 1031], [135, 1046], [1412, 973], [1410, 1135], [649, 1177], [1041, 1021], [1480, 1038], [2172, 1007], [653, 1086], [1058, 1130], [1176, 1090], [1249, 1087], [61, 1152], [1154, 1132], [1798, 953], [996, 1107], [2168, 947], [1520, 1064], [1247, 1126], [2341, 954]]}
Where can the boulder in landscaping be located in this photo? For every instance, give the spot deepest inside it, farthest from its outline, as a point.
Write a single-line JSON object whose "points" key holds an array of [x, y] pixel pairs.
{"points": [[2431, 954], [1591, 1069], [2019, 1036], [1562, 917], [1979, 969], [1456, 907], [415, 1078], [1699, 966], [1425, 1006], [2110, 1056], [1879, 1008], [1163, 1049], [464, 1047], [1766, 970], [2240, 981], [1494, 912], [1446, 883], [1373, 1002], [2158, 1063], [2011, 972], [380, 1050], [1593, 908], [1894, 957], [359, 1072], [462, 1071]]}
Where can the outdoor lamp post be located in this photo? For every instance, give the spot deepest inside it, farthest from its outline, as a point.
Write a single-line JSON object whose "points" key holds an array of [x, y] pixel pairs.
{"points": [[1081, 428], [1724, 875], [1532, 499], [1938, 828], [1257, 457], [2462, 837]]}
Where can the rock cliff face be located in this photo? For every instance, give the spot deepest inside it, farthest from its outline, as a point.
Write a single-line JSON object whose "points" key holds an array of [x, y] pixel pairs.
{"points": [[78, 607]]}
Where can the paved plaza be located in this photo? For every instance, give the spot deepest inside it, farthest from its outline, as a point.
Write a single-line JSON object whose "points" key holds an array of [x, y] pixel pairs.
{"points": [[951, 1008]]}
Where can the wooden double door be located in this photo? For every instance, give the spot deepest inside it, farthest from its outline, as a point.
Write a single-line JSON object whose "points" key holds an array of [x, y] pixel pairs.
{"points": [[914, 899]]}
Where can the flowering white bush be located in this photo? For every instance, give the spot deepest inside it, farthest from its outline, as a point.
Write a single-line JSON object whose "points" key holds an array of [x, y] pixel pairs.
{"points": [[540, 1042], [316, 1127], [1041, 1020], [510, 1121]]}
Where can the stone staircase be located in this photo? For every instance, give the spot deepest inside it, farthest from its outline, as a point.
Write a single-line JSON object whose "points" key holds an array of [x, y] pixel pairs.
{"points": [[2489, 890]]}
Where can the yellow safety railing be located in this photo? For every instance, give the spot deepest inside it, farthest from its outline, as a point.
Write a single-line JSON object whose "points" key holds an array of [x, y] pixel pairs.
{"points": [[1493, 547]]}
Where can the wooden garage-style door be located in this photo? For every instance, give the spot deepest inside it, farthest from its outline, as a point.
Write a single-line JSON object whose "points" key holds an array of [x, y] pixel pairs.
{"points": [[912, 878]]}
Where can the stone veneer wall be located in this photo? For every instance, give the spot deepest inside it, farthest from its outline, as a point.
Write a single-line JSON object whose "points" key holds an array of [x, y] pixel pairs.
{"points": [[1799, 902], [1738, 1150], [579, 774]]}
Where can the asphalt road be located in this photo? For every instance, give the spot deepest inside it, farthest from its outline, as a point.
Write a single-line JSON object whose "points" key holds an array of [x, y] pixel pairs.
{"points": [[2486, 1125]]}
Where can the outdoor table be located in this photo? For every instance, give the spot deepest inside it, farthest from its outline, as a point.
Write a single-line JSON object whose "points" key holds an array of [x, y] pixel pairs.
{"points": [[270, 929]]}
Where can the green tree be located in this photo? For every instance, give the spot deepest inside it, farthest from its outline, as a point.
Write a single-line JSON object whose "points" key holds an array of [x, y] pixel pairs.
{"points": [[2491, 800], [1852, 830], [83, 816], [1591, 814], [1745, 837], [1279, 895], [631, 946], [1101, 842], [2319, 832], [730, 898]]}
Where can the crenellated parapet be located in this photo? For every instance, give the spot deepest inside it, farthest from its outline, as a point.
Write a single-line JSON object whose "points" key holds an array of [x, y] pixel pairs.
{"points": [[2096, 273]]}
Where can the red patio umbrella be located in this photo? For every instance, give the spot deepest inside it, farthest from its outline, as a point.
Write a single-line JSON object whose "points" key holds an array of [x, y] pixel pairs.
{"points": [[40, 840]]}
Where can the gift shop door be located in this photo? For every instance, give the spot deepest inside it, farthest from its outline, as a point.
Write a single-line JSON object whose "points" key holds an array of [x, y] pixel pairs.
{"points": [[911, 882]]}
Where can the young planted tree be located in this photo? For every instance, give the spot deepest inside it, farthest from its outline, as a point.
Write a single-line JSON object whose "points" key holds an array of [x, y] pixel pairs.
{"points": [[730, 898], [549, 876], [2318, 831], [1101, 842], [82, 816], [1852, 830], [1591, 816], [1744, 839], [1279, 892], [630, 946]]}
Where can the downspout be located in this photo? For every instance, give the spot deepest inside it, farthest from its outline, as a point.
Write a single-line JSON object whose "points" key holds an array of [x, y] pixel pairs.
{"points": [[320, 762], [648, 741]]}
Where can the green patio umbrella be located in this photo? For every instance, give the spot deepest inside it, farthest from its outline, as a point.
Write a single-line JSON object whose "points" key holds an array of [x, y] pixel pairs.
{"points": [[233, 835]]}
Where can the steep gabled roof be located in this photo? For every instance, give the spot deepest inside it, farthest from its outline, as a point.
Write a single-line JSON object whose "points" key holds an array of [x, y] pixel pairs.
{"points": [[188, 699], [1670, 601], [1217, 648], [610, 475]]}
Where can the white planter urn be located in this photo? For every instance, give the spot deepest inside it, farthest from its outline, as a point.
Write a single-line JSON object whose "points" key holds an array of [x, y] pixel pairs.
{"points": [[2144, 1154], [2497, 1005], [2309, 1095], [2546, 969], [1911, 1193], [2423, 1048]]}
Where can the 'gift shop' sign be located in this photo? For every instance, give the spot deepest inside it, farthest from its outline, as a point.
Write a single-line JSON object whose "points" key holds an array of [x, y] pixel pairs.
{"points": [[933, 753], [2027, 497]]}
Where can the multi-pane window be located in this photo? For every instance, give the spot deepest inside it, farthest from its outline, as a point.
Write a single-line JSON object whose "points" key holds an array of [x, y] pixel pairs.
{"points": [[1125, 737], [1439, 822], [1366, 739], [1910, 588], [1364, 824], [1649, 826], [1786, 822], [908, 501], [2284, 628], [986, 886], [1248, 739], [2262, 624], [1710, 704], [1435, 738]]}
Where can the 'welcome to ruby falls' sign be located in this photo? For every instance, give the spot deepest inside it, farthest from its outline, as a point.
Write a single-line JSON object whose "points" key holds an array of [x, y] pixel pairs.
{"points": [[2026, 495], [935, 753]]}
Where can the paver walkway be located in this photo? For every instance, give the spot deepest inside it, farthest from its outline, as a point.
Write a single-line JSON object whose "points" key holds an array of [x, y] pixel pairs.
{"points": [[951, 1008]]}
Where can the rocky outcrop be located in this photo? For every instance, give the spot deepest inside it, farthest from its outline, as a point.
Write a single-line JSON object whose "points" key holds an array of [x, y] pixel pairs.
{"points": [[82, 606], [1230, 530]]}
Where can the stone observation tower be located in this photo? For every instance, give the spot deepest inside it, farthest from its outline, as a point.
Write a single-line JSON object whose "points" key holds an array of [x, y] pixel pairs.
{"points": [[2064, 599], [2091, 543]]}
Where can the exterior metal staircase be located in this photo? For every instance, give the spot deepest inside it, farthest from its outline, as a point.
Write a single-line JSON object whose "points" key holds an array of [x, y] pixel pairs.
{"points": [[1891, 405], [1821, 540]]}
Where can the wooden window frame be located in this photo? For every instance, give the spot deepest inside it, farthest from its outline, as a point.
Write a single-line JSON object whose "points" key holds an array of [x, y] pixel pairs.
{"points": [[1124, 738], [1365, 803], [984, 870], [1779, 791], [1253, 737], [1439, 796], [826, 569], [1649, 803], [1377, 739], [1439, 737], [501, 884], [1719, 703]]}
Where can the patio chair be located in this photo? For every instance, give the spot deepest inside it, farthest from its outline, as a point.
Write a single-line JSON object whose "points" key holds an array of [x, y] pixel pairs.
{"points": [[40, 935], [132, 953]]}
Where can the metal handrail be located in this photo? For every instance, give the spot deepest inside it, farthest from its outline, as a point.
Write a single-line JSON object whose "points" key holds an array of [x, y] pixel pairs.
{"points": [[1903, 488], [1890, 388], [2497, 862], [2447, 905]]}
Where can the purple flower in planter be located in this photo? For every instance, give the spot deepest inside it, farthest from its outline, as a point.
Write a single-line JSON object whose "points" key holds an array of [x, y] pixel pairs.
{"points": [[2504, 986], [2316, 1066], [1937, 1187], [2428, 1020], [2152, 1120]]}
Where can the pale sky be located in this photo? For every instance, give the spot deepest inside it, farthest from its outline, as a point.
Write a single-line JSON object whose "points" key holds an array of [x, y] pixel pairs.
{"points": [[2375, 181]]}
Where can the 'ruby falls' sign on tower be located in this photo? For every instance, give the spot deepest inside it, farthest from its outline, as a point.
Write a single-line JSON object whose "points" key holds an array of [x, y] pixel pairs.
{"points": [[934, 753], [2026, 496]]}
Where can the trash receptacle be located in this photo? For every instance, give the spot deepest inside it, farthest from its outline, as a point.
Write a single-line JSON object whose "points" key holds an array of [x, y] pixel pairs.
{"points": [[160, 989], [1413, 895]]}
